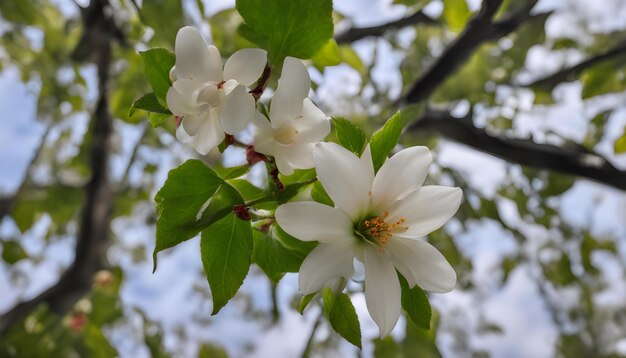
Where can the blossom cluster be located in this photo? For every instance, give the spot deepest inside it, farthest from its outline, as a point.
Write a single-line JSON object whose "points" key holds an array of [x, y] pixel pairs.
{"points": [[378, 219]]}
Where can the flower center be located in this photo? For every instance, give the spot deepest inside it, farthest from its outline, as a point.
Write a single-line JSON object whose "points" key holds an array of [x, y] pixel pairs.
{"points": [[286, 135], [211, 94], [378, 229]]}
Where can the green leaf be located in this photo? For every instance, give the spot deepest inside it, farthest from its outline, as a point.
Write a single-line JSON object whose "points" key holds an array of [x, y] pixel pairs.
{"points": [[603, 78], [456, 14], [273, 257], [415, 303], [298, 176], [226, 249], [297, 28], [351, 58], [304, 302], [97, 343], [620, 144], [150, 103], [232, 172], [192, 198], [248, 191], [157, 119], [385, 139], [344, 320], [319, 194], [328, 55], [210, 350], [349, 135], [165, 17], [158, 62], [12, 252]]}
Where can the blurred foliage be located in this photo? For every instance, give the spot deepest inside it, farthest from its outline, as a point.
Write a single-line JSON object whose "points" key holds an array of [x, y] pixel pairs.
{"points": [[39, 40]]}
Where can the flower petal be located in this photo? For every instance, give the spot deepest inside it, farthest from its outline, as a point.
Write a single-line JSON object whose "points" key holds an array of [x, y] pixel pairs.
{"points": [[209, 135], [245, 66], [293, 88], [324, 263], [366, 161], [427, 209], [299, 156], [180, 98], [313, 125], [382, 290], [283, 165], [238, 110], [183, 136], [312, 221], [192, 123], [399, 176], [193, 59], [422, 264], [345, 178], [216, 73]]}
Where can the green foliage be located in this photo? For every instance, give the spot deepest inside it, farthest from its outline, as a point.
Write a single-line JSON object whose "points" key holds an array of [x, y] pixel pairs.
{"points": [[603, 78], [192, 198], [226, 248], [415, 303], [319, 194], [417, 342], [343, 318], [224, 32], [209, 350], [349, 135], [456, 14], [297, 28], [619, 146], [273, 257], [158, 62], [36, 201], [385, 139], [150, 103], [327, 55], [304, 302], [165, 17], [12, 252]]}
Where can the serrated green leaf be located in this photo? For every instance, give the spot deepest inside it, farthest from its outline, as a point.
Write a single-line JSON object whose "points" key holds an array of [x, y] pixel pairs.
{"points": [[349, 135], [157, 63], [297, 28], [385, 139], [226, 249], [343, 319], [12, 252], [192, 198], [149, 103], [415, 303], [274, 258]]}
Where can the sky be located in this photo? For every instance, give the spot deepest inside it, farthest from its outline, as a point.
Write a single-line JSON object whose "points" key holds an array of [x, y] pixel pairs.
{"points": [[171, 295]]}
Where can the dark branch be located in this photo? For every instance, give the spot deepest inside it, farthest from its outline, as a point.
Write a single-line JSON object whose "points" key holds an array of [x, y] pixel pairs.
{"points": [[480, 29], [580, 163], [91, 242], [569, 74], [357, 33]]}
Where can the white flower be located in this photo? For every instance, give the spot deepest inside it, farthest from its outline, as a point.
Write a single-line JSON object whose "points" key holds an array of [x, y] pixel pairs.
{"points": [[295, 125], [377, 218], [211, 101]]}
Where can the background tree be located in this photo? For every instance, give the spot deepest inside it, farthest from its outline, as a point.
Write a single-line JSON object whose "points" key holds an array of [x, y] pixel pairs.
{"points": [[538, 242]]}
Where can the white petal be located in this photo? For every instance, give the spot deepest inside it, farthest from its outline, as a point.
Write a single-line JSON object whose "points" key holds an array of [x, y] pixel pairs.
{"points": [[293, 88], [427, 209], [324, 263], [422, 264], [193, 59], [312, 221], [216, 73], [366, 161], [313, 125], [399, 176], [192, 123], [299, 156], [344, 177], [245, 66], [382, 290], [183, 136], [283, 165], [180, 98], [209, 135], [238, 110]]}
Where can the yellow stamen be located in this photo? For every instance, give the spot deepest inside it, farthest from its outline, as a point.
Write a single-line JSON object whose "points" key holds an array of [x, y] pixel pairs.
{"points": [[381, 231]]}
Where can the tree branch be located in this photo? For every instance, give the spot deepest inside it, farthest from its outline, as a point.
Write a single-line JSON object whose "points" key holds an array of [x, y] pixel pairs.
{"points": [[522, 151], [357, 33], [480, 29], [91, 242], [569, 74]]}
